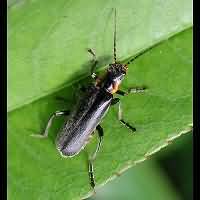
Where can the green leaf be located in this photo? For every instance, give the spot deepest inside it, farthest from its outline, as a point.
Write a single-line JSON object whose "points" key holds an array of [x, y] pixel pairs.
{"points": [[47, 55], [48, 39], [160, 115], [145, 181]]}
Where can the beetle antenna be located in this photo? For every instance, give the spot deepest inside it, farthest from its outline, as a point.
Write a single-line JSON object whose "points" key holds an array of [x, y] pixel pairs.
{"points": [[114, 49]]}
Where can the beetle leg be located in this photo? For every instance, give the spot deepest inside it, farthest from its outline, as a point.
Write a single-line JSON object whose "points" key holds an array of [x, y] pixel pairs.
{"points": [[132, 90], [100, 135], [93, 68], [56, 114], [91, 173], [121, 119], [91, 159], [115, 101]]}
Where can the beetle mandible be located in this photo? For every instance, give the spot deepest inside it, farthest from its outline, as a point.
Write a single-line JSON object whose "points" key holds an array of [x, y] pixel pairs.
{"points": [[86, 118]]}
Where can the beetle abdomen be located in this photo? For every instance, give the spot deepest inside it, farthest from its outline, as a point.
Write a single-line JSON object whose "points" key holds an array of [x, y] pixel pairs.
{"points": [[77, 131]]}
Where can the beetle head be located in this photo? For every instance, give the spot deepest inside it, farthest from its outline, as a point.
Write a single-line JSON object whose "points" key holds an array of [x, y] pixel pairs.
{"points": [[117, 71], [115, 74]]}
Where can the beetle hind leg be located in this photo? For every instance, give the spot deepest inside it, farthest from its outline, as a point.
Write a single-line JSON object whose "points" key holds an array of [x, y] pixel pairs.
{"points": [[56, 114], [93, 157], [91, 174]]}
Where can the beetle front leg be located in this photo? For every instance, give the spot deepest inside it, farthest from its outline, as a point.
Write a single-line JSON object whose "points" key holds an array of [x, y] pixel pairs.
{"points": [[93, 157], [94, 66], [56, 114], [132, 90], [126, 124]]}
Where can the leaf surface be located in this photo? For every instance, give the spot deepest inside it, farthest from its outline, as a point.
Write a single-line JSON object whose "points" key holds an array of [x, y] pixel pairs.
{"points": [[160, 115]]}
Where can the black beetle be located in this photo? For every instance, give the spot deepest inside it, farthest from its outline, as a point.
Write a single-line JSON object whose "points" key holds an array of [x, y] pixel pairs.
{"points": [[92, 107]]}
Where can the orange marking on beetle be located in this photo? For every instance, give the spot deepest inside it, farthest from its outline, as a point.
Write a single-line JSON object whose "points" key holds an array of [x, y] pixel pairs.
{"points": [[115, 88]]}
